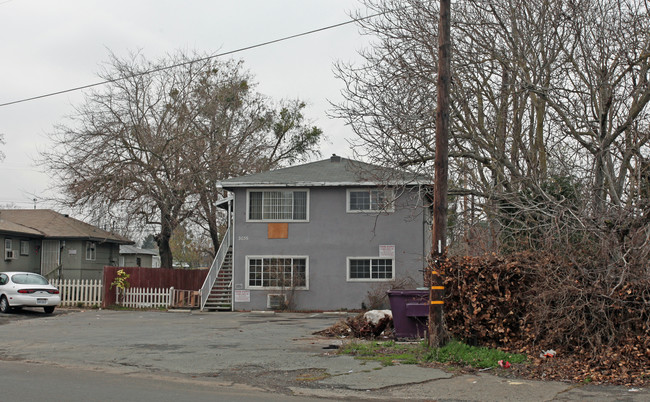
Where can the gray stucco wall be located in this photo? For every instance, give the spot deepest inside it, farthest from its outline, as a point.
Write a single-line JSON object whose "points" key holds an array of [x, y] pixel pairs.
{"points": [[328, 239]]}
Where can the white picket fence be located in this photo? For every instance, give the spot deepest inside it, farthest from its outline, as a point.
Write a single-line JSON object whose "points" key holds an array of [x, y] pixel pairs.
{"points": [[146, 297], [79, 292], [89, 293]]}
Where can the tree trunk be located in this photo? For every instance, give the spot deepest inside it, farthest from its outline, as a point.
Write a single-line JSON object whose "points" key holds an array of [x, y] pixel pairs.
{"points": [[162, 238], [214, 235]]}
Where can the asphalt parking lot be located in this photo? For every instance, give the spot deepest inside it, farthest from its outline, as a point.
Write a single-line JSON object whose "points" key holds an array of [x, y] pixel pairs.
{"points": [[271, 352], [28, 313]]}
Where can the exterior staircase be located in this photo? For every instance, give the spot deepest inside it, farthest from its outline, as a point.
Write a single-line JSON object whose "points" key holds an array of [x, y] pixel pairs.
{"points": [[220, 297]]}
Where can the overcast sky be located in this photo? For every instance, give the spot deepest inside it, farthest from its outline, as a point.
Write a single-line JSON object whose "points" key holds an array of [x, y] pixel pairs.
{"points": [[54, 45]]}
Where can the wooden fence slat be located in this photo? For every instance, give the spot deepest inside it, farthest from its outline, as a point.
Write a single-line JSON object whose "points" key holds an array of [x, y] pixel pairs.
{"points": [[147, 297], [88, 293], [75, 292]]}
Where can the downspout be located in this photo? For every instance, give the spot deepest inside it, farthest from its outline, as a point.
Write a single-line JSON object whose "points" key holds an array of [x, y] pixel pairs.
{"points": [[61, 247]]}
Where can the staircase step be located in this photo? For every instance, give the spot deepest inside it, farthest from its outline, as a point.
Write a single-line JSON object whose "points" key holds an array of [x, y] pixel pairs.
{"points": [[220, 297]]}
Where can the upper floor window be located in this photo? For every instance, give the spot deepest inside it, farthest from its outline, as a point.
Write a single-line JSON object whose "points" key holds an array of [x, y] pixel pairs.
{"points": [[278, 205], [369, 200], [91, 251]]}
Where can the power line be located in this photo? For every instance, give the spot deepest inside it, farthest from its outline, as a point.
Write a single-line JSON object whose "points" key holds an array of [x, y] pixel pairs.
{"points": [[155, 70]]}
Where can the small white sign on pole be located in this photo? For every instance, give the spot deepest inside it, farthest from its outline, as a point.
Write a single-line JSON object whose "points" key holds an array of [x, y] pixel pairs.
{"points": [[242, 296], [387, 251]]}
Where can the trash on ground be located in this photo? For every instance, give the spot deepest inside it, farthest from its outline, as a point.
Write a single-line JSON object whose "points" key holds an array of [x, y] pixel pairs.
{"points": [[547, 353]]}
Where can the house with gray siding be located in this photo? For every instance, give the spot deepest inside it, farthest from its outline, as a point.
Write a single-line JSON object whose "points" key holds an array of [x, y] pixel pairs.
{"points": [[321, 235], [131, 256], [55, 245]]}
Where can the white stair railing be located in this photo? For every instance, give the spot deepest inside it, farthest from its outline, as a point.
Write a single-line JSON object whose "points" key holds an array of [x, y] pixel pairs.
{"points": [[215, 268]]}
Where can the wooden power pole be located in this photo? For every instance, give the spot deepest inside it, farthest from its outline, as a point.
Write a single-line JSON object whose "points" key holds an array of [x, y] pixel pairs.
{"points": [[439, 229]]}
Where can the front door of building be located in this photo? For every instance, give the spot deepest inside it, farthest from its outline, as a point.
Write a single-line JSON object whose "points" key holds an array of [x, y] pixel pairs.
{"points": [[49, 256]]}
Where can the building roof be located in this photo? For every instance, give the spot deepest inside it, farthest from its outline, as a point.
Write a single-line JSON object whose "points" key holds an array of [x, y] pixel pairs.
{"points": [[51, 224], [11, 227], [128, 249], [335, 171]]}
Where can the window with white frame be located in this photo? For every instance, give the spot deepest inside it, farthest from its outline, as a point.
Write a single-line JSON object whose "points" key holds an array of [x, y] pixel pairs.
{"points": [[24, 247], [369, 200], [370, 269], [278, 205], [277, 272], [91, 251], [8, 245]]}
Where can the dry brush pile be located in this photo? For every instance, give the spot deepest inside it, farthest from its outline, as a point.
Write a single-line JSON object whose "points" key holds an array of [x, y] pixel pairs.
{"points": [[592, 311]]}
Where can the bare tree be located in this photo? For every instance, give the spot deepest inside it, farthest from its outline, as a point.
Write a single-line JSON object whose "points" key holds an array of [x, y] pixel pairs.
{"points": [[150, 146], [548, 97], [238, 131], [2, 142]]}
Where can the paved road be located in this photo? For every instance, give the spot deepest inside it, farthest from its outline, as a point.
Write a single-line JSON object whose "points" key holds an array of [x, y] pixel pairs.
{"points": [[274, 353], [21, 381]]}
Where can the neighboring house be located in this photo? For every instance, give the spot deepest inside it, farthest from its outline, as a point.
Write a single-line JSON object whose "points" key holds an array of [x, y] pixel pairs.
{"points": [[131, 256], [55, 245], [321, 235]]}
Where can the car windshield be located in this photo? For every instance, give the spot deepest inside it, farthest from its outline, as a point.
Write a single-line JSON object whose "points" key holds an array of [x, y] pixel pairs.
{"points": [[29, 279]]}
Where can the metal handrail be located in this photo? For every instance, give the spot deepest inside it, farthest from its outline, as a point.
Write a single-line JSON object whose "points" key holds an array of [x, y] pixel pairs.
{"points": [[215, 268]]}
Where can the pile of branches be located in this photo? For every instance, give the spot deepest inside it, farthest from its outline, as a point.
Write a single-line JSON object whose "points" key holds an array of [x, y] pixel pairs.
{"points": [[488, 299], [359, 327], [590, 308]]}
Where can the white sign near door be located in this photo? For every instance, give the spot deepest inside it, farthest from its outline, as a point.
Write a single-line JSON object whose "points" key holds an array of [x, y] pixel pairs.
{"points": [[387, 251]]}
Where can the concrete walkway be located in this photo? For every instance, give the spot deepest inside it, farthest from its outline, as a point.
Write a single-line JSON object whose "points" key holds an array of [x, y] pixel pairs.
{"points": [[272, 352]]}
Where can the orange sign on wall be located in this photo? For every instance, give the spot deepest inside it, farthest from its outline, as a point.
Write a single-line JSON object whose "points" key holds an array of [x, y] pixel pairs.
{"points": [[278, 231]]}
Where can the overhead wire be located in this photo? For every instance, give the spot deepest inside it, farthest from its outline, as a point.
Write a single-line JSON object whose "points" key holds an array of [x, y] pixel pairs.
{"points": [[163, 68]]}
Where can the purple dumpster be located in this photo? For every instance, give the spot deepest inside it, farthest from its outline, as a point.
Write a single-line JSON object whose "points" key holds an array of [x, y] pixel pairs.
{"points": [[410, 309]]}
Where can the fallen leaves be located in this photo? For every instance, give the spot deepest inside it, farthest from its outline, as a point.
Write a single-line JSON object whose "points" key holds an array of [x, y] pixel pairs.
{"points": [[529, 302]]}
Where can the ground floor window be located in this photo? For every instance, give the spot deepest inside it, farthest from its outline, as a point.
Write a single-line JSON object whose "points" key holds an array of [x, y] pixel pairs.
{"points": [[24, 247], [370, 269], [277, 272], [91, 251]]}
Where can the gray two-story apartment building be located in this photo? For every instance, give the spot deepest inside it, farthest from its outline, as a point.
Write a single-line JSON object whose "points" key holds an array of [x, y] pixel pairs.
{"points": [[321, 235]]}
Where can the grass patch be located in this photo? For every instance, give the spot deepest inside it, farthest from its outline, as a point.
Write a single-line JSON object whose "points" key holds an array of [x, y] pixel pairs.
{"points": [[474, 356], [455, 352]]}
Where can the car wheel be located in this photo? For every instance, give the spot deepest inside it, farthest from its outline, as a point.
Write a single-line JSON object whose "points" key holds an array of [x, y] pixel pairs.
{"points": [[48, 309], [4, 305]]}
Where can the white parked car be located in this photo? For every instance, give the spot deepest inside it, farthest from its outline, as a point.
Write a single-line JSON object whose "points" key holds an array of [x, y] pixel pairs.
{"points": [[27, 289]]}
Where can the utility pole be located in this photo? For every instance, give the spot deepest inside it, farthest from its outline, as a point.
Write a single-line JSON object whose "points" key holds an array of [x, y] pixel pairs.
{"points": [[439, 229]]}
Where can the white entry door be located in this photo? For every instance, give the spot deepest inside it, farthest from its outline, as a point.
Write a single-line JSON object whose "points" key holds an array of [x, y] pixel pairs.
{"points": [[49, 256]]}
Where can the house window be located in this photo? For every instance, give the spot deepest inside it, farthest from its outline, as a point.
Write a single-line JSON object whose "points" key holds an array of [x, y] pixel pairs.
{"points": [[91, 251], [370, 269], [10, 254], [369, 200], [277, 272], [24, 247], [277, 205]]}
